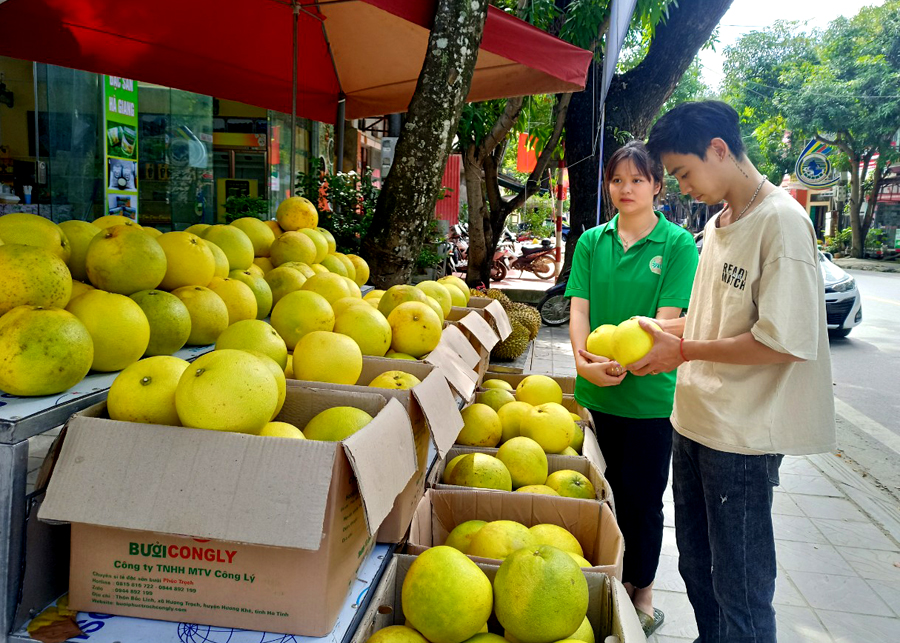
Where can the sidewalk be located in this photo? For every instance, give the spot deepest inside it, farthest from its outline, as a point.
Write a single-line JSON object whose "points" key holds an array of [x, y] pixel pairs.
{"points": [[874, 265], [837, 539]]}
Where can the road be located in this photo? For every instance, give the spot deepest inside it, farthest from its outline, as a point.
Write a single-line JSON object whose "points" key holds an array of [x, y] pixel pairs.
{"points": [[866, 368]]}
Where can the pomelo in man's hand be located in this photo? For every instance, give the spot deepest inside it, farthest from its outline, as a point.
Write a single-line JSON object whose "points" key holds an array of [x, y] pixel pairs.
{"points": [[630, 342]]}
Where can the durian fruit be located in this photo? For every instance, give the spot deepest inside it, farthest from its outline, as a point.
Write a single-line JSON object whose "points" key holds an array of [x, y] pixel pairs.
{"points": [[514, 345], [497, 294], [526, 315]]}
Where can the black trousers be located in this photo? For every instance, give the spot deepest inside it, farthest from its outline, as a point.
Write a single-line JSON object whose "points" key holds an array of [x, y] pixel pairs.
{"points": [[637, 454]]}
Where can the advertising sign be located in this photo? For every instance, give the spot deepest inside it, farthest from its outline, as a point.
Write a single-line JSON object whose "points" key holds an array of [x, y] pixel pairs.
{"points": [[814, 168], [120, 124]]}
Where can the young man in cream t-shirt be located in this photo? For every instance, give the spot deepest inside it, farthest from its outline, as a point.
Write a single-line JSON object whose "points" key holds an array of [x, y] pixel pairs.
{"points": [[754, 371]]}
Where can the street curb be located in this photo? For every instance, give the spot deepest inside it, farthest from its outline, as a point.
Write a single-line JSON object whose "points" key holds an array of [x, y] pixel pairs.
{"points": [[871, 266]]}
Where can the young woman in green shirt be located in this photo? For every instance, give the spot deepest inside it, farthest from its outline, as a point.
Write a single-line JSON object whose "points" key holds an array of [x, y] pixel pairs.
{"points": [[636, 264]]}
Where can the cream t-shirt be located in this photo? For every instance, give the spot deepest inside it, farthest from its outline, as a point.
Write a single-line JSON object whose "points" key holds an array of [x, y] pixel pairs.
{"points": [[760, 274]]}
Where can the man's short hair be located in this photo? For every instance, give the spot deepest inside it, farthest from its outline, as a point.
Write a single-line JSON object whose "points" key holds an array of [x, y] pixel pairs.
{"points": [[690, 127]]}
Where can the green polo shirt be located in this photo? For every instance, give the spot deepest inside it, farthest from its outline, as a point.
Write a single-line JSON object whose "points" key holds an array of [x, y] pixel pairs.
{"points": [[656, 271]]}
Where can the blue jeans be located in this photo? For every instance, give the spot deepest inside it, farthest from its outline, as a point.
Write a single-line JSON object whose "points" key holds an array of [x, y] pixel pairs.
{"points": [[726, 547]]}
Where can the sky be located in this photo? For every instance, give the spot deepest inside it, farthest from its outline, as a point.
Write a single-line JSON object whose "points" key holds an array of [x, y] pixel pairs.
{"points": [[755, 15]]}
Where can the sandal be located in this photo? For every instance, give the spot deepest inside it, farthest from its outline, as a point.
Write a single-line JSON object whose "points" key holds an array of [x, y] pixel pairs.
{"points": [[651, 623]]}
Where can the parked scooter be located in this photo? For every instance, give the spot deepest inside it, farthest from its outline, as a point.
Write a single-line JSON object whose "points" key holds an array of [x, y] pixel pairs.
{"points": [[538, 260], [554, 307]]}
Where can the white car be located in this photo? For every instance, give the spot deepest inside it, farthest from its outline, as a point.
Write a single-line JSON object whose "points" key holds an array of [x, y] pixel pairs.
{"points": [[843, 304]]}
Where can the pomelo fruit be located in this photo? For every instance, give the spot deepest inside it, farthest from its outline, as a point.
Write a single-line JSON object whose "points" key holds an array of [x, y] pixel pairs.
{"points": [[538, 389], [303, 268], [321, 356], [481, 428], [79, 288], [282, 430], [255, 335], [348, 265], [399, 355], [145, 391], [33, 230], [283, 281], [550, 425], [511, 419], [396, 295], [259, 287], [32, 276], [395, 380], [331, 286], [630, 342], [336, 424], [319, 240], [354, 289], [568, 451], [226, 390], [361, 269], [459, 283], [329, 238], [584, 632], [254, 269], [571, 484], [42, 350], [436, 307], [445, 596], [277, 373], [439, 292], [319, 269], [495, 383], [461, 536], [119, 328], [537, 488], [296, 212], [169, 319], [234, 242], [396, 634], [152, 232], [367, 327], [415, 328], [274, 227], [445, 478], [209, 314], [481, 471], [301, 312], [261, 236], [556, 536], [189, 260], [582, 562], [79, 234], [289, 369], [578, 437], [500, 538], [222, 266], [265, 264], [124, 260], [599, 342], [457, 296], [239, 299], [344, 303], [526, 461], [110, 220], [292, 246], [373, 294], [197, 228], [496, 398], [334, 265]]}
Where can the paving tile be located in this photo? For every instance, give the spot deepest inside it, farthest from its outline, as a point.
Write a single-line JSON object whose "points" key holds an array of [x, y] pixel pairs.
{"points": [[798, 465], [786, 593], [680, 621], [850, 533], [797, 528], [809, 557], [817, 485], [669, 544], [784, 505], [839, 593], [668, 514], [830, 508], [889, 593], [667, 576], [799, 625], [872, 564], [856, 628]]}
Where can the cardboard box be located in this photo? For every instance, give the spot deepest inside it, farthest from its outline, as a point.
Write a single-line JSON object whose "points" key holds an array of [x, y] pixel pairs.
{"points": [[278, 527], [434, 416], [609, 609], [555, 462], [593, 524], [495, 309], [473, 338]]}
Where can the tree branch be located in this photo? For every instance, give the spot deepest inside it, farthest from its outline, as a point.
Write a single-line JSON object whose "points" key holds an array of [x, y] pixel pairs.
{"points": [[503, 125]]}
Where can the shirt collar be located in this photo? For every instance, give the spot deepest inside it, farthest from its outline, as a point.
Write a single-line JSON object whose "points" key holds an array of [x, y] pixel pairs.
{"points": [[658, 233]]}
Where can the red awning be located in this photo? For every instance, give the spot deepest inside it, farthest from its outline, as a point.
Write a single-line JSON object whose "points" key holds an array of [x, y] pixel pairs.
{"points": [[369, 51]]}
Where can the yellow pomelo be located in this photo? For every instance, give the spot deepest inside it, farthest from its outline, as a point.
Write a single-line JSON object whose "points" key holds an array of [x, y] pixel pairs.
{"points": [[334, 265], [296, 212], [373, 294], [302, 268], [599, 342], [255, 335], [439, 292], [500, 538], [576, 417], [33, 230], [169, 319], [526, 461], [630, 342], [415, 328], [496, 398], [274, 227], [486, 637], [282, 430], [537, 488], [511, 419], [124, 260], [537, 389], [226, 390], [79, 234], [238, 298], [145, 391], [152, 232], [353, 288], [336, 424], [283, 281], [461, 536], [577, 437], [582, 562], [278, 373], [222, 266], [445, 477], [289, 369], [494, 383], [118, 326], [395, 380], [457, 296], [540, 595], [209, 314], [396, 295], [260, 235], [481, 471], [259, 287], [319, 269], [445, 596], [110, 220], [329, 238], [436, 307], [550, 425], [331, 286], [584, 632], [197, 228], [253, 270], [344, 303], [42, 350], [234, 242], [481, 428], [398, 355], [189, 260], [556, 536], [264, 263], [568, 451], [396, 634], [299, 313], [361, 269], [373, 302], [348, 265], [319, 240], [571, 484], [292, 246], [321, 356], [31, 276], [79, 288], [459, 283], [367, 327]]}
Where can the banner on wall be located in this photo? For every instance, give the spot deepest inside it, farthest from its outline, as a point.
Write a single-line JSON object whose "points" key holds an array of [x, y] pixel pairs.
{"points": [[120, 123]]}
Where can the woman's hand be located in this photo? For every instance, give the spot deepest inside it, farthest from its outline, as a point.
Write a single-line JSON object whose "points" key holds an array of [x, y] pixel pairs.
{"points": [[598, 370]]}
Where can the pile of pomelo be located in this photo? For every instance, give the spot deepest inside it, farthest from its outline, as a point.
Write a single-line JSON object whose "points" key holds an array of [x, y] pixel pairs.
{"points": [[538, 595]]}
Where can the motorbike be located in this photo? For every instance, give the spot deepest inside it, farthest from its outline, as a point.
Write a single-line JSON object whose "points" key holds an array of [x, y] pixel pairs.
{"points": [[554, 307], [538, 260]]}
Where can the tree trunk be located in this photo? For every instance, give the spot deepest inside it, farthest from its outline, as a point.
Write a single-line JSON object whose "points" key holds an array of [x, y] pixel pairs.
{"points": [[866, 223], [856, 246], [407, 200], [478, 215]]}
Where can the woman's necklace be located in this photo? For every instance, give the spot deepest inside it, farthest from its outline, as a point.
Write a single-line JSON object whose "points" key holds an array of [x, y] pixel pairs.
{"points": [[626, 243]]}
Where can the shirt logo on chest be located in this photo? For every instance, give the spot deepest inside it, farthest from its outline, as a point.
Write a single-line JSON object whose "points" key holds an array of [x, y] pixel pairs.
{"points": [[734, 276], [656, 264]]}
